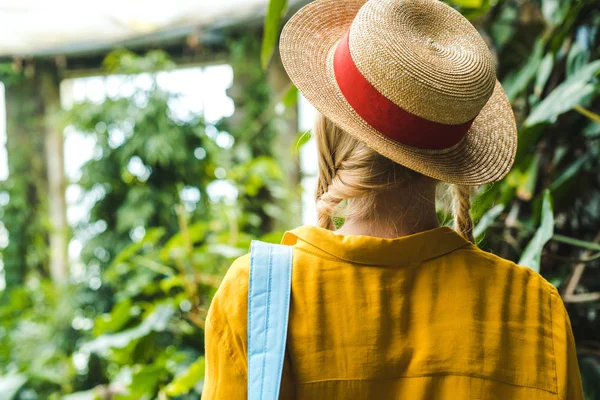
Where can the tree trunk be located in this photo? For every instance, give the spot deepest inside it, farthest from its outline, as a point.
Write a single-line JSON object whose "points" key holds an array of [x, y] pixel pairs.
{"points": [[57, 207], [36, 214]]}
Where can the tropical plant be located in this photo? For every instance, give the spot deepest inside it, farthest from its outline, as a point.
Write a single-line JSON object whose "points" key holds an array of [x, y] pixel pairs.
{"points": [[147, 157], [130, 324]]}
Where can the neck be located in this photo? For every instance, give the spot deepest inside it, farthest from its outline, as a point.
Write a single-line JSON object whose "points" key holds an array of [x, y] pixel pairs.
{"points": [[398, 213]]}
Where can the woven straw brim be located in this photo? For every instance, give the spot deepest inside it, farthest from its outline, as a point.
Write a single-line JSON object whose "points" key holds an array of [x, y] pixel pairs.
{"points": [[307, 44]]}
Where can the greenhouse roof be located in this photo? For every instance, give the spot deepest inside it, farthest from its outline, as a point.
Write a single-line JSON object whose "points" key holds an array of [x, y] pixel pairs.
{"points": [[45, 28]]}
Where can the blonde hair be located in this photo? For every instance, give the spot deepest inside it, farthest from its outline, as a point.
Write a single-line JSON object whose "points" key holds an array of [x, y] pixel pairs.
{"points": [[352, 174]]}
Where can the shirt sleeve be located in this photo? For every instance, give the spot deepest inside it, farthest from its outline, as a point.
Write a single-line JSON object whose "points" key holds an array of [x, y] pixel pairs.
{"points": [[567, 367], [226, 370]]}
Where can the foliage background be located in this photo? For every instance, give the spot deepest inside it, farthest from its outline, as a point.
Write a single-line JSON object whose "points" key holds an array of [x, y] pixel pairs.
{"points": [[138, 334]]}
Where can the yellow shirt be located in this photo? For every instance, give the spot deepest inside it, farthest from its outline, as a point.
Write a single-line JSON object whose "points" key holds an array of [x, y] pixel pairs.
{"points": [[426, 316]]}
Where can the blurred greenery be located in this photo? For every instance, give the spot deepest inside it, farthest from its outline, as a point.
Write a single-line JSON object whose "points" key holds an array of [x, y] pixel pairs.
{"points": [[140, 133], [275, 10], [129, 323]]}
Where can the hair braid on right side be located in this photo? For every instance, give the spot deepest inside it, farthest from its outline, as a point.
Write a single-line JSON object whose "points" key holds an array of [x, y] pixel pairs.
{"points": [[461, 208]]}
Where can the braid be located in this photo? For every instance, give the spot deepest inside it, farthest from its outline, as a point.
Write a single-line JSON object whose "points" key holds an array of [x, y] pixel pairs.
{"points": [[327, 171], [461, 208], [349, 172]]}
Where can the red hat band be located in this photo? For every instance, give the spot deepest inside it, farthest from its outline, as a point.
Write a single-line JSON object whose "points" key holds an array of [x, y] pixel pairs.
{"points": [[385, 116]]}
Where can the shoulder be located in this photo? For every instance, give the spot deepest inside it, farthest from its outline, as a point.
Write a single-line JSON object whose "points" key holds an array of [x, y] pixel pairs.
{"points": [[494, 266], [231, 299], [521, 293], [514, 289], [236, 277]]}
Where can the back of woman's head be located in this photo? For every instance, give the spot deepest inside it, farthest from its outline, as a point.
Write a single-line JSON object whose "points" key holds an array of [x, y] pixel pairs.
{"points": [[353, 179]]}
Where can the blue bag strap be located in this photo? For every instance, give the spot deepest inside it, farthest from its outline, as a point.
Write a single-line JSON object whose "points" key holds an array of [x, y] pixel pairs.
{"points": [[268, 310]]}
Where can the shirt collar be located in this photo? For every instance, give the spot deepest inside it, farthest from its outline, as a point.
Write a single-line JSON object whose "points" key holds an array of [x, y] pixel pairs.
{"points": [[372, 250]]}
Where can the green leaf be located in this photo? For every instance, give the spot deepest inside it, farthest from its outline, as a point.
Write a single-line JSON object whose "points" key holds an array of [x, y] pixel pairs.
{"points": [[119, 316], [152, 265], [517, 80], [577, 58], [275, 11], [301, 139], [592, 129], [10, 385], [574, 91], [569, 172], [504, 27], [290, 97], [543, 73], [533, 252], [171, 282], [528, 179], [487, 219], [467, 3], [527, 143], [156, 321], [144, 381], [225, 250], [338, 222], [486, 198], [86, 395], [184, 382], [555, 11], [576, 242], [175, 246], [151, 237]]}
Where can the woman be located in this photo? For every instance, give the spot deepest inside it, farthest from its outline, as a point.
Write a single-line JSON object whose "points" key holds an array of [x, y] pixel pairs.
{"points": [[392, 305]]}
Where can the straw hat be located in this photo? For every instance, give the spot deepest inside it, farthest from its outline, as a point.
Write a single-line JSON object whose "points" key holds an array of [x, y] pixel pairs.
{"points": [[412, 79]]}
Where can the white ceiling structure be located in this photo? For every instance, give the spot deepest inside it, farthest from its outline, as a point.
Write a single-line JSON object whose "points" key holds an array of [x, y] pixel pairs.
{"points": [[48, 27]]}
